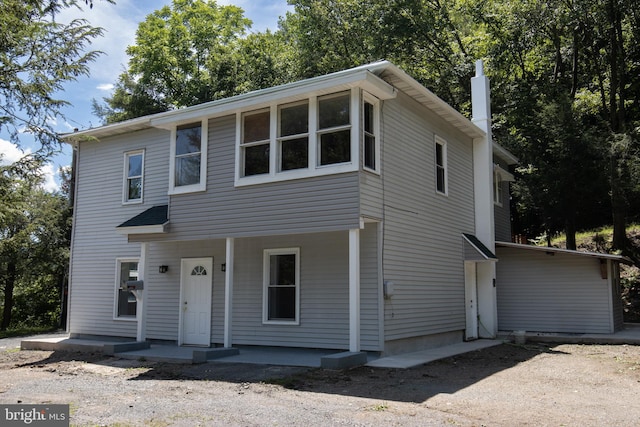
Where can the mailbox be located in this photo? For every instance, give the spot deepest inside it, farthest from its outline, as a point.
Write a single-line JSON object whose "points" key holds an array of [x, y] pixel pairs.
{"points": [[135, 285]]}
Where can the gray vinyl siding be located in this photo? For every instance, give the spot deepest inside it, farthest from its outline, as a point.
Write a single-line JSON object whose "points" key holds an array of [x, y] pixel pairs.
{"points": [[370, 289], [544, 293], [502, 214], [315, 204], [98, 211], [163, 290], [423, 251], [324, 290], [616, 296], [324, 294]]}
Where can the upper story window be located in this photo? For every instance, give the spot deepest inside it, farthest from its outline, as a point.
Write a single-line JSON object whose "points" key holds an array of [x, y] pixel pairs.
{"points": [[255, 143], [334, 129], [188, 158], [371, 141], [133, 177], [293, 136], [441, 166], [309, 137]]}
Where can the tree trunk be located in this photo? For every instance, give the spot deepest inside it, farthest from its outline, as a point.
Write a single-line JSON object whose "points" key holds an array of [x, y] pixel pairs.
{"points": [[570, 231], [8, 295]]}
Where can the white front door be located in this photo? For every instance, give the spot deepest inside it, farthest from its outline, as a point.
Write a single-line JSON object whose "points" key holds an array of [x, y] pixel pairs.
{"points": [[471, 300], [196, 285]]}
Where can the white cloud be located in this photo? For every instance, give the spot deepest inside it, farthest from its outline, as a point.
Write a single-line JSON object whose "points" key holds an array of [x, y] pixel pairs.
{"points": [[105, 86], [12, 153]]}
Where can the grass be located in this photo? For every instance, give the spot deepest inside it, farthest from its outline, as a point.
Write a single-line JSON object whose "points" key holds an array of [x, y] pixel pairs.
{"points": [[586, 238], [20, 332]]}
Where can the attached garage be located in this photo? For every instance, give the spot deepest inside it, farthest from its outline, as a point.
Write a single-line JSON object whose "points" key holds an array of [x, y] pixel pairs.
{"points": [[542, 289]]}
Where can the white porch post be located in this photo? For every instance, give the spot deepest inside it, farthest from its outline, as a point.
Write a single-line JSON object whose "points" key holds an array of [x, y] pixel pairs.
{"points": [[141, 306], [228, 293], [483, 196], [354, 290]]}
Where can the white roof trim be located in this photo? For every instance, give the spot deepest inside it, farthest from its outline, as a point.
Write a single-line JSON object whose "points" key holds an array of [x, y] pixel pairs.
{"points": [[504, 154], [142, 229], [504, 174], [619, 258], [372, 77]]}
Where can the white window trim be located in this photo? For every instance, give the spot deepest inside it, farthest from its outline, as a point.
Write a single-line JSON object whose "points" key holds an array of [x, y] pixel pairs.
{"points": [[202, 185], [119, 261], [280, 139], [125, 181], [314, 169], [440, 141], [368, 98], [266, 263]]}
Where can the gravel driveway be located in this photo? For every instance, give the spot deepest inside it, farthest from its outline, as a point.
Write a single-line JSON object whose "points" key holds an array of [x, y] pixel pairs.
{"points": [[507, 385]]}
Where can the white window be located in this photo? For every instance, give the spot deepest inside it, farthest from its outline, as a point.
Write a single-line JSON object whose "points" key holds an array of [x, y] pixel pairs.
{"points": [[133, 177], [441, 166], [125, 301], [308, 137], [293, 136], [370, 131], [255, 143], [188, 158], [281, 294], [334, 129]]}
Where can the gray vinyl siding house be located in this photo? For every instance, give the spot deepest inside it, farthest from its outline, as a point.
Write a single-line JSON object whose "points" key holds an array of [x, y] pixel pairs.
{"points": [[353, 211]]}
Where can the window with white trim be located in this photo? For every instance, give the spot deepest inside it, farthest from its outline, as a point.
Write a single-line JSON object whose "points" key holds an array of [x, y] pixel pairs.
{"points": [[309, 137], [255, 143], [281, 294], [441, 166], [188, 158], [125, 301], [133, 177], [293, 136], [334, 129], [371, 143]]}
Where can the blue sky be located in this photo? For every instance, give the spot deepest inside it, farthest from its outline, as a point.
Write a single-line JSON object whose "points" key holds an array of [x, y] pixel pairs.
{"points": [[119, 22]]}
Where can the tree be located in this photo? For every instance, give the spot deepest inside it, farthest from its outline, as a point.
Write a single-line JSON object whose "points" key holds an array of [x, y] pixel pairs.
{"points": [[559, 72], [34, 245], [38, 56], [188, 53]]}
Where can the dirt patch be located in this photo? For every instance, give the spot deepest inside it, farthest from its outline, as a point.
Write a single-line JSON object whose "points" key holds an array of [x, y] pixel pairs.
{"points": [[499, 386]]}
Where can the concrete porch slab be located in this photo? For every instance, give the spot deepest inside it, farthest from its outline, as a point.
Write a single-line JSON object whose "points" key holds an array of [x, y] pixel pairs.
{"points": [[344, 360], [65, 343], [417, 358]]}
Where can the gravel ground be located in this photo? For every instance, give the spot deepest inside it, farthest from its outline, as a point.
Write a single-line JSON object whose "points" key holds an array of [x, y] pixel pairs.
{"points": [[531, 385]]}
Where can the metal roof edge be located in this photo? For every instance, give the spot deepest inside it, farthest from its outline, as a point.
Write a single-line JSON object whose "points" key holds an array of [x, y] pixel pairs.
{"points": [[619, 258]]}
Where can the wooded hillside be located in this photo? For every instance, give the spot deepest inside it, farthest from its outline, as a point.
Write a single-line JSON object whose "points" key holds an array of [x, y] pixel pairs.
{"points": [[565, 77]]}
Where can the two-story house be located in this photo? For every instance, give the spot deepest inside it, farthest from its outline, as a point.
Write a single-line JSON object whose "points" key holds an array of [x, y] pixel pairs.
{"points": [[353, 211]]}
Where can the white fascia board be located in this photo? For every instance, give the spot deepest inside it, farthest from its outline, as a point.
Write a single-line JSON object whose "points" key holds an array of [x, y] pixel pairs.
{"points": [[142, 229], [257, 99], [108, 130], [435, 103], [618, 258], [505, 174], [504, 154]]}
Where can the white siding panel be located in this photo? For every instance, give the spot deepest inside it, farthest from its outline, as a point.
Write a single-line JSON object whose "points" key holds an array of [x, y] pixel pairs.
{"points": [[544, 293], [98, 211], [423, 251]]}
